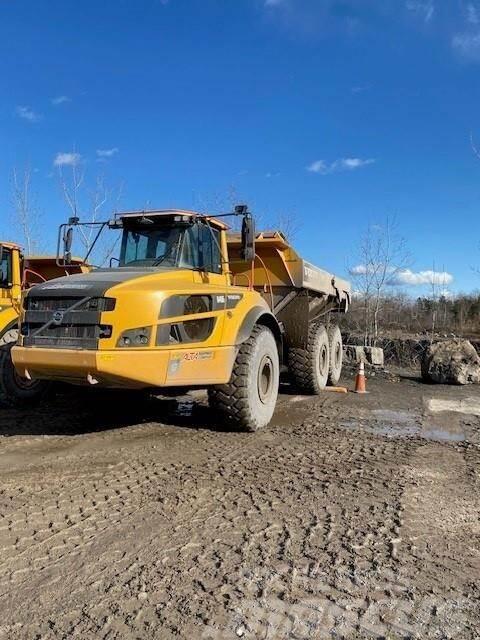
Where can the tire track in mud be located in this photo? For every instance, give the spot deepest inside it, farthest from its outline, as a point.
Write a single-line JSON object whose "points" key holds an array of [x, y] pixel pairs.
{"points": [[440, 531], [70, 519], [268, 532]]}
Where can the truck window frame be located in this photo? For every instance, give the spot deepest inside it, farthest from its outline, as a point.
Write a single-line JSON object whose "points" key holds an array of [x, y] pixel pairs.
{"points": [[199, 248], [6, 281]]}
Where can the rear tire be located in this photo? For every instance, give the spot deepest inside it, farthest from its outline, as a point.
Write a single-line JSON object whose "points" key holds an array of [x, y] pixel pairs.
{"points": [[15, 390], [336, 354], [309, 366], [248, 401]]}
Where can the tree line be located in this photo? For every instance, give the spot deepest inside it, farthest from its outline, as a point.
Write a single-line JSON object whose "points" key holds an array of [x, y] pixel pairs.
{"points": [[401, 315]]}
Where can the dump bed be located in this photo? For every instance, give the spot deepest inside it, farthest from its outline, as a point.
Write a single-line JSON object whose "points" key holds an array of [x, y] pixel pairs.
{"points": [[278, 265], [37, 269]]}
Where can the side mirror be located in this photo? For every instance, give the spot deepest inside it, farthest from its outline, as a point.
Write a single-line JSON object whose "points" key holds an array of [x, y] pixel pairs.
{"points": [[67, 245], [247, 251]]}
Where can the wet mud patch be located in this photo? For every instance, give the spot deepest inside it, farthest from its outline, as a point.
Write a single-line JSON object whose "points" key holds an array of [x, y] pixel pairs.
{"points": [[403, 424]]}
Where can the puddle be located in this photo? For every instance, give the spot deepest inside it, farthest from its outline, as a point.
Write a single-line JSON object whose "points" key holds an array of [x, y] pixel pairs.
{"points": [[435, 433], [468, 406], [402, 424]]}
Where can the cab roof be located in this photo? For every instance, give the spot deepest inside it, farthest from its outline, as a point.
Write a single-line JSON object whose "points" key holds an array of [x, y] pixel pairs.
{"points": [[158, 213], [10, 245]]}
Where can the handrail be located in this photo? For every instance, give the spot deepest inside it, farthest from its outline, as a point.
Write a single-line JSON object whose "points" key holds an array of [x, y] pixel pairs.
{"points": [[268, 279], [24, 280], [245, 275]]}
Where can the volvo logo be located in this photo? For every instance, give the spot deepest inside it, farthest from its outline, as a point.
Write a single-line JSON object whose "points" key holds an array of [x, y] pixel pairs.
{"points": [[58, 317]]}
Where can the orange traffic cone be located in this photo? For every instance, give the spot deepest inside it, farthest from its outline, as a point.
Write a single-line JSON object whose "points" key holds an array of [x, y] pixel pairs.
{"points": [[360, 380]]}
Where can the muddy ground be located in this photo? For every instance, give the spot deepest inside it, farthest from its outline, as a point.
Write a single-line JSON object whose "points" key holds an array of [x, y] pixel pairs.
{"points": [[349, 517]]}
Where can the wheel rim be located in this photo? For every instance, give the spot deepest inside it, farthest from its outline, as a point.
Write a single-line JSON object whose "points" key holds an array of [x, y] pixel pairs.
{"points": [[265, 379], [323, 359]]}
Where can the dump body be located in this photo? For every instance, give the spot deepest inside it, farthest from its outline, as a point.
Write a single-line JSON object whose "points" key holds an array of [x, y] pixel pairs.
{"points": [[297, 291], [279, 265], [36, 269]]}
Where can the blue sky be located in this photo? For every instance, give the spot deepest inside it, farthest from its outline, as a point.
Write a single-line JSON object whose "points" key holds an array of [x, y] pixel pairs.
{"points": [[339, 112]]}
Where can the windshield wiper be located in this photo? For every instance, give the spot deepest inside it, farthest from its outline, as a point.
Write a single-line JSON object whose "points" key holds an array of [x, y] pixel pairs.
{"points": [[168, 254]]}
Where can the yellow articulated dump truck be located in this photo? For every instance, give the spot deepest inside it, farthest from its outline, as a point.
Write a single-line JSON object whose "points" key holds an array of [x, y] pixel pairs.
{"points": [[186, 306], [18, 273]]}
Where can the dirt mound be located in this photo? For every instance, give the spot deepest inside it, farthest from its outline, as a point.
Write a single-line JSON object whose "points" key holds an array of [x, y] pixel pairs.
{"points": [[451, 362]]}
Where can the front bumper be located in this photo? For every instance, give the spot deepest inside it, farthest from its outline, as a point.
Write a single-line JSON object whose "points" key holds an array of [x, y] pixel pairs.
{"points": [[130, 368]]}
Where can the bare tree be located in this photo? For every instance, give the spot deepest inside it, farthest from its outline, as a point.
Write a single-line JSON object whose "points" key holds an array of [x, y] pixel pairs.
{"points": [[220, 202], [288, 223], [438, 286], [25, 211], [381, 255], [88, 202], [224, 201]]}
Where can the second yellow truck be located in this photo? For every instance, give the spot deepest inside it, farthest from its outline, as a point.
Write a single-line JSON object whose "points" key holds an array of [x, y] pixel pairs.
{"points": [[189, 306], [17, 274]]}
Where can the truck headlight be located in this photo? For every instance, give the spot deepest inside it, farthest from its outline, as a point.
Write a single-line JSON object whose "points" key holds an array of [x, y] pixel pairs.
{"points": [[139, 337]]}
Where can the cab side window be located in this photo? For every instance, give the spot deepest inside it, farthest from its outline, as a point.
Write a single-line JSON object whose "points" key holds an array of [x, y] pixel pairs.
{"points": [[210, 247], [6, 269]]}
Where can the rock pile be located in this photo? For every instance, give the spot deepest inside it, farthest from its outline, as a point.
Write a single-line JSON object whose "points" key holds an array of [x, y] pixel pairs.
{"points": [[451, 362]]}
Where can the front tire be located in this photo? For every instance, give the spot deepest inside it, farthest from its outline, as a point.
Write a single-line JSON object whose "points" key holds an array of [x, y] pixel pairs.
{"points": [[309, 366], [336, 354], [248, 401], [15, 390]]}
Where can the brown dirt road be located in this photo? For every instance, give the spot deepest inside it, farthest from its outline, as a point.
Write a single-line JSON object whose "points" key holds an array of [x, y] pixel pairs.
{"points": [[349, 517]]}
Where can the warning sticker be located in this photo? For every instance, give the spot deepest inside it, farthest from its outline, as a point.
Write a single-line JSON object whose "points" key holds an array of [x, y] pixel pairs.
{"points": [[198, 355]]}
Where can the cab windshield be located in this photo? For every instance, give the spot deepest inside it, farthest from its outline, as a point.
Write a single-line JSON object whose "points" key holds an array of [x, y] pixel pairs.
{"points": [[194, 246]]}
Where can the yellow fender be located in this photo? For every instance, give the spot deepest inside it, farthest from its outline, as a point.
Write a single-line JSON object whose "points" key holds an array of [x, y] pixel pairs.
{"points": [[8, 318]]}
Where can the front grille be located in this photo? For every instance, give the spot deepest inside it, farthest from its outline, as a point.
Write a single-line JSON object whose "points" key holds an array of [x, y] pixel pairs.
{"points": [[81, 336], [65, 322]]}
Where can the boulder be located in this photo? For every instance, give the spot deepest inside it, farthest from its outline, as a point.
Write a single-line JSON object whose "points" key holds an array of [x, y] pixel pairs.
{"points": [[374, 356], [451, 362], [354, 353]]}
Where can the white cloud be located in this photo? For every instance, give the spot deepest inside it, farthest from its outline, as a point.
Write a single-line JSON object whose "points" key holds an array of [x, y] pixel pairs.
{"points": [[107, 153], [407, 277], [353, 163], [28, 114], [58, 100], [467, 44], [422, 8], [319, 166], [358, 270], [361, 88], [472, 14], [343, 164], [416, 278], [69, 159]]}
